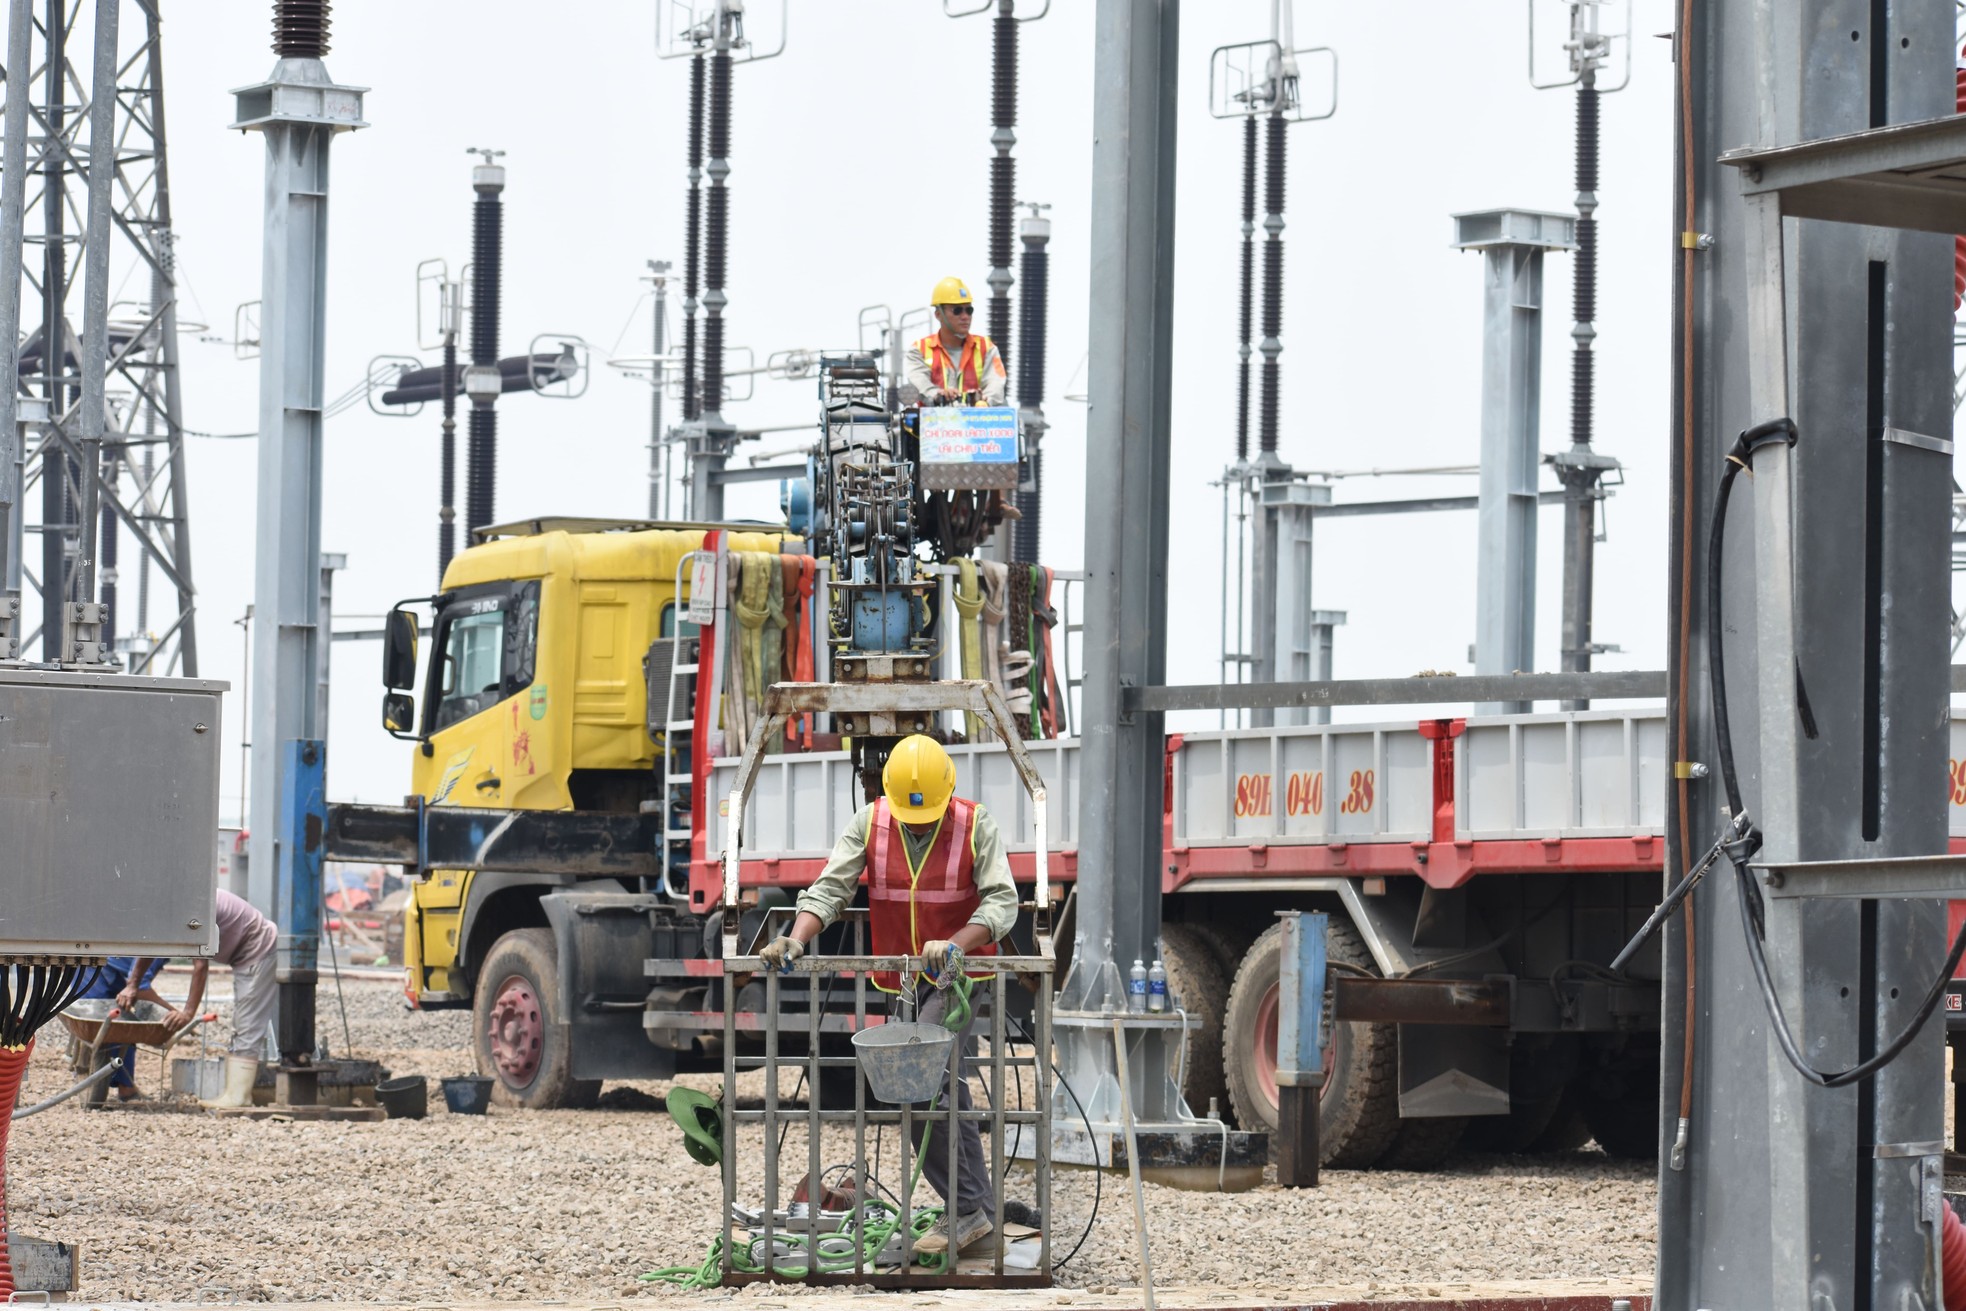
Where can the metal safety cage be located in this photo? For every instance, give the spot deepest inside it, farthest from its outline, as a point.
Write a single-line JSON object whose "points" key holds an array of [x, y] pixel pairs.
{"points": [[955, 10], [384, 373], [688, 27], [245, 331], [1241, 81], [1588, 48], [558, 365], [778, 1241]]}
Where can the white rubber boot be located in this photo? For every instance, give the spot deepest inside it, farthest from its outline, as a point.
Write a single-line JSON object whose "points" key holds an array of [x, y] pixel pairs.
{"points": [[240, 1071]]}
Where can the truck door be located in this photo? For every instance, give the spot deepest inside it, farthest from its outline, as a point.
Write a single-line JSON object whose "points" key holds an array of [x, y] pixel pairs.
{"points": [[477, 722]]}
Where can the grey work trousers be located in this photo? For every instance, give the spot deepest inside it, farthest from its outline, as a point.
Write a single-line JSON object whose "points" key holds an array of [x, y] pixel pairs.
{"points": [[973, 1188], [253, 995]]}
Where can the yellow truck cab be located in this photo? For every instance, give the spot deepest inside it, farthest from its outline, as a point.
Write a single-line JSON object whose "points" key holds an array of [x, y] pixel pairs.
{"points": [[535, 698]]}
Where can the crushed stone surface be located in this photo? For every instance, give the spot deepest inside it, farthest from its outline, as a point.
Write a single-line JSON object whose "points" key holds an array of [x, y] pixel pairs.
{"points": [[573, 1205]]}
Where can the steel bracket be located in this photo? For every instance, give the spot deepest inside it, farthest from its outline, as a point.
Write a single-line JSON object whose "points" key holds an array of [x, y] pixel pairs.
{"points": [[1877, 879], [1910, 175]]}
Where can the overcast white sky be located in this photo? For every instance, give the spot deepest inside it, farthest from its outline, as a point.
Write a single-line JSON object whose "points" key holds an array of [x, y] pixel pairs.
{"points": [[859, 165]]}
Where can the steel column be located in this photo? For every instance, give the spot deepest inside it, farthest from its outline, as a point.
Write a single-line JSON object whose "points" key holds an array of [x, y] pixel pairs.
{"points": [[1136, 47], [13, 198], [93, 418], [1290, 643], [56, 468], [1512, 243], [299, 110], [1833, 598]]}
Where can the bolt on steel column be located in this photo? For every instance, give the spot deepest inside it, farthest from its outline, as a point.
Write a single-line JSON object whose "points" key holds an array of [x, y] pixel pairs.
{"points": [[299, 109]]}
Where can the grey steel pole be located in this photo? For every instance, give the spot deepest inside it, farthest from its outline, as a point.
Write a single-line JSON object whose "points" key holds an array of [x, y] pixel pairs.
{"points": [[93, 417], [1512, 243], [299, 109], [1135, 51], [13, 199]]}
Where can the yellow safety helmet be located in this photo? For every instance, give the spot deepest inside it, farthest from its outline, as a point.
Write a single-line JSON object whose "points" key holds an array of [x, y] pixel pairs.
{"points": [[919, 780], [950, 291]]}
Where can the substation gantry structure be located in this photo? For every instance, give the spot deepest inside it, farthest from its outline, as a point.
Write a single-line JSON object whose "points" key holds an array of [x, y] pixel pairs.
{"points": [[63, 135], [1817, 190]]}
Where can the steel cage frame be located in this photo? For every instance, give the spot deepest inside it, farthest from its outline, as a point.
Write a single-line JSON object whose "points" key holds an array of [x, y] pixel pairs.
{"points": [[1035, 971]]}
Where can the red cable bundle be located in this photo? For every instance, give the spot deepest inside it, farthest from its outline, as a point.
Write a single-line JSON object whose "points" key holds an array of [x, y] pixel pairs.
{"points": [[1952, 1261], [1959, 243], [13, 1066]]}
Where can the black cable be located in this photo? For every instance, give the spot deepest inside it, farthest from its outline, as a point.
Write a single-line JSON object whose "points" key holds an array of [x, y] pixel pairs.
{"points": [[1098, 1175], [1740, 842]]}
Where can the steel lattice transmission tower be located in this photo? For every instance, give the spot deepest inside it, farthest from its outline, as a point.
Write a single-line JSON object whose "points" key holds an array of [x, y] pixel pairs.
{"points": [[144, 508]]}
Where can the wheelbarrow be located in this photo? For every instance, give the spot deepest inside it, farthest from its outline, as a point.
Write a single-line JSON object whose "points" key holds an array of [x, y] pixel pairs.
{"points": [[96, 1023]]}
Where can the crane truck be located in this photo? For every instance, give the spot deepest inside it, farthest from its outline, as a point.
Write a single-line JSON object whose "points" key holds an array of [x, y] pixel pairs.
{"points": [[591, 685]]}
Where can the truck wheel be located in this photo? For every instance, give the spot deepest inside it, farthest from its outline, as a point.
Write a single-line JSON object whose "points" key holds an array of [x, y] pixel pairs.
{"points": [[1626, 1128], [1358, 1109], [1621, 1106], [1514, 1133], [1195, 982], [514, 1039], [1424, 1144]]}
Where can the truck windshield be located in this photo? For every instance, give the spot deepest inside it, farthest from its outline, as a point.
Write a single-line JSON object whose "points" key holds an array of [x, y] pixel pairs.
{"points": [[485, 641]]}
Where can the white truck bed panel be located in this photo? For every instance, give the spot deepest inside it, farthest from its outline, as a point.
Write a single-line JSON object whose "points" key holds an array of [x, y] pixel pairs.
{"points": [[1585, 774], [801, 802]]}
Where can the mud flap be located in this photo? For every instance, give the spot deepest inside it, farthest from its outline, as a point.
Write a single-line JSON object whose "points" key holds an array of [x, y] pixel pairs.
{"points": [[1452, 1069], [602, 938]]}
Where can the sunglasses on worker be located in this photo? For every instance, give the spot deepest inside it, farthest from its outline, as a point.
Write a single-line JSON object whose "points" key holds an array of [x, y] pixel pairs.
{"points": [[959, 309]]}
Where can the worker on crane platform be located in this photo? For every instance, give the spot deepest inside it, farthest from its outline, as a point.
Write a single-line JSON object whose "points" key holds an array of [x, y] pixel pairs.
{"points": [[938, 887], [952, 365]]}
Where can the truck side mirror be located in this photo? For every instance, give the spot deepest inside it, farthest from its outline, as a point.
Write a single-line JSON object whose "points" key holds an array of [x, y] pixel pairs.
{"points": [[399, 650], [399, 714]]}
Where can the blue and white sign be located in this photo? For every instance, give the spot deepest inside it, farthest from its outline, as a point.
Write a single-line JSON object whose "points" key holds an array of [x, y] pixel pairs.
{"points": [[960, 435]]}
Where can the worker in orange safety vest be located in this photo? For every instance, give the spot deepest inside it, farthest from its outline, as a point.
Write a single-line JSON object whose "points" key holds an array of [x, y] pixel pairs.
{"points": [[938, 888], [952, 365]]}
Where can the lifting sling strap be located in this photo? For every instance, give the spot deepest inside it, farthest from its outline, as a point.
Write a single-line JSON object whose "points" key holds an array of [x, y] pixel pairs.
{"points": [[969, 608], [751, 587], [996, 583], [800, 574], [1046, 623]]}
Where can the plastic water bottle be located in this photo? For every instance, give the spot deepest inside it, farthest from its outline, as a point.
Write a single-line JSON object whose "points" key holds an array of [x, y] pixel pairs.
{"points": [[1157, 988], [1136, 987]]}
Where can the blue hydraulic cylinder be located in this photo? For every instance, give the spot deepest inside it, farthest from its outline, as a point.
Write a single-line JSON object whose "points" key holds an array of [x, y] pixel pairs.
{"points": [[1300, 1004], [303, 829]]}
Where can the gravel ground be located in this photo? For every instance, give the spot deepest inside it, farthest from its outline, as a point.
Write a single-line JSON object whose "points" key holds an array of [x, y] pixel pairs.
{"points": [[575, 1204]]}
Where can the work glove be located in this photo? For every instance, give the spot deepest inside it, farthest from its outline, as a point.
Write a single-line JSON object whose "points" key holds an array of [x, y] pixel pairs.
{"points": [[943, 960], [780, 952]]}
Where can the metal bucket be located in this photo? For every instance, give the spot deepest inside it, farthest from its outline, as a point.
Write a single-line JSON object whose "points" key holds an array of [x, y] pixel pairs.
{"points": [[904, 1062]]}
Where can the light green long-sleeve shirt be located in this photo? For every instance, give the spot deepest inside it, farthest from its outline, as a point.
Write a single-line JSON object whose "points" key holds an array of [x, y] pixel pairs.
{"points": [[833, 889]]}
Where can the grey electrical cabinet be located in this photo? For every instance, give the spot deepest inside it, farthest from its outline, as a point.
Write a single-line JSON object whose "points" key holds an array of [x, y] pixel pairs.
{"points": [[108, 814]]}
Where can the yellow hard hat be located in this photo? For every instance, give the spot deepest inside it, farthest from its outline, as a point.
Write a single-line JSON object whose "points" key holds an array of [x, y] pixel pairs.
{"points": [[950, 291], [919, 780]]}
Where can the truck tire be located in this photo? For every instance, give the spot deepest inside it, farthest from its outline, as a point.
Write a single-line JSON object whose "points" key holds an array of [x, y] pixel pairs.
{"points": [[1424, 1144], [1627, 1128], [1358, 1110], [1195, 982], [514, 1040], [1515, 1133]]}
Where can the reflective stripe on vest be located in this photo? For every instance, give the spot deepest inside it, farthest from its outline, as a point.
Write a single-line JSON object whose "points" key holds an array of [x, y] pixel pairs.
{"points": [[908, 909], [976, 349]]}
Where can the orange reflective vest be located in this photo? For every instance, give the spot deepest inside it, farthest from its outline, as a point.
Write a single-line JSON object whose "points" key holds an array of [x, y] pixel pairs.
{"points": [[908, 908], [976, 349]]}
